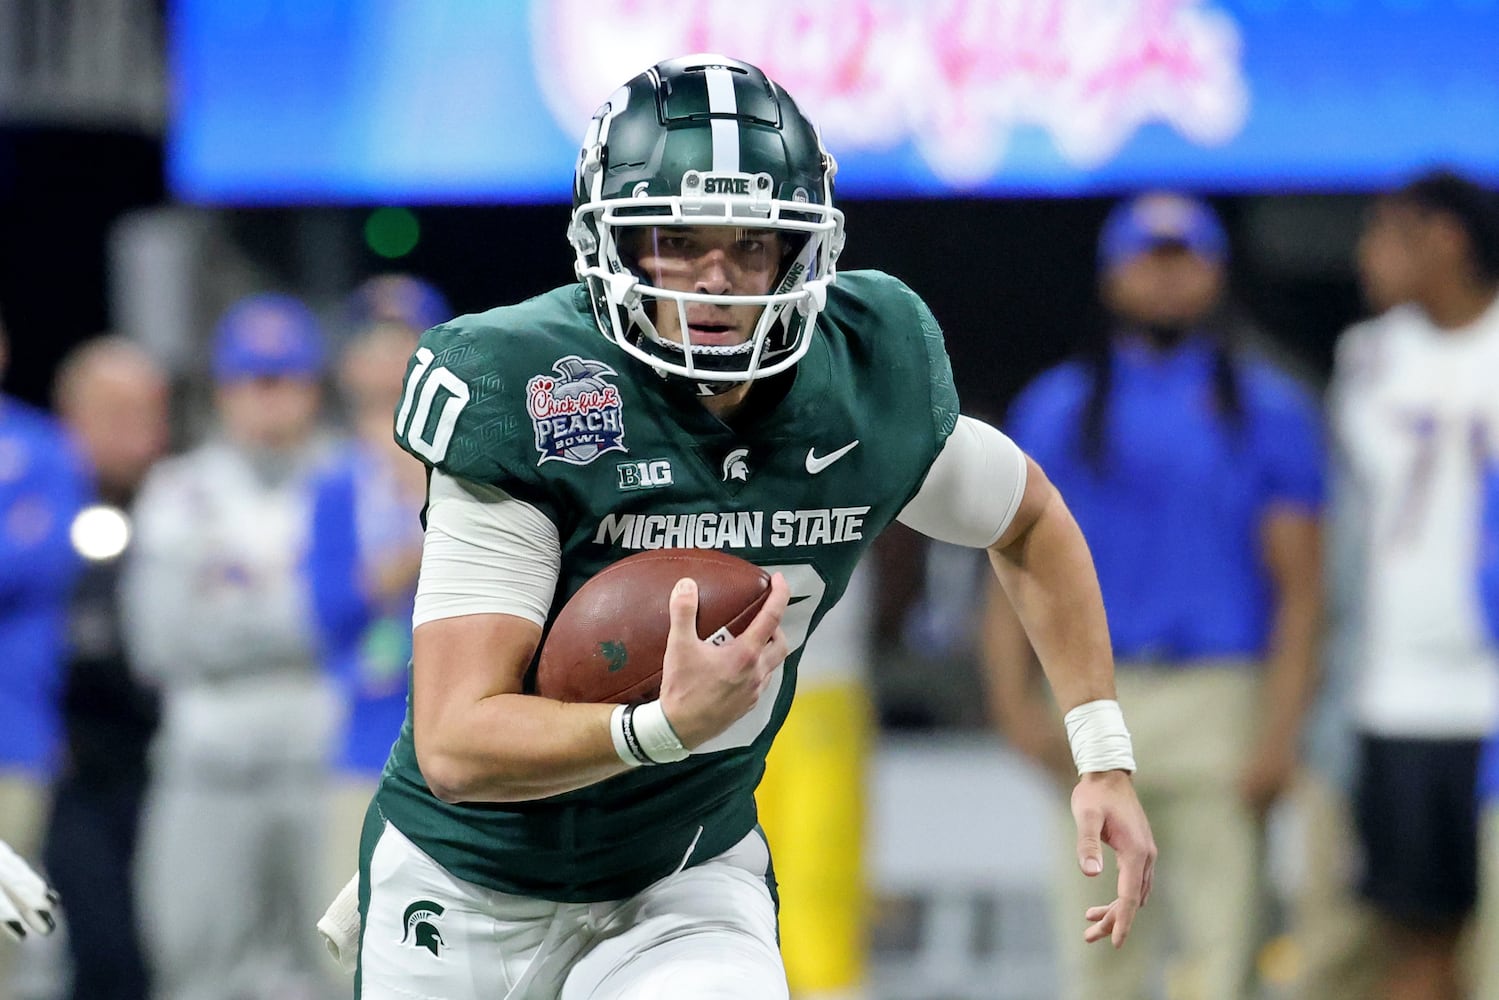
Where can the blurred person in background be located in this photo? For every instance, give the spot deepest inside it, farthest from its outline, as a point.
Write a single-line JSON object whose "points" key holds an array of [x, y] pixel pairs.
{"points": [[1328, 949], [812, 803], [398, 298], [114, 400], [43, 486], [217, 614], [1196, 475], [365, 548], [1486, 939], [1414, 405]]}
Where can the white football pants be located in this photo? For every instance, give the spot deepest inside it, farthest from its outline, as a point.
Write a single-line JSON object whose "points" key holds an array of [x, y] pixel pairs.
{"points": [[705, 933]]}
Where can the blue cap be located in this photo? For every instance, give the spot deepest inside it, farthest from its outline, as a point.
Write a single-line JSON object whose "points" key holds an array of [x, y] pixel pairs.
{"points": [[267, 335], [1152, 220], [398, 298]]}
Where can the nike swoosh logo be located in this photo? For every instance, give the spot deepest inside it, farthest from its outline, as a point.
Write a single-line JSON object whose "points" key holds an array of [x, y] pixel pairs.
{"points": [[816, 465]]}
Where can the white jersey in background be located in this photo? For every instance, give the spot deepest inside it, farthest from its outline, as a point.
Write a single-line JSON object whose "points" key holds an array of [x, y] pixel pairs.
{"points": [[1415, 410], [217, 614]]}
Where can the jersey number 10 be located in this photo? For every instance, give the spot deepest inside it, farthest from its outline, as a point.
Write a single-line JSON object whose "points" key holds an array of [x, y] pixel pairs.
{"points": [[414, 424]]}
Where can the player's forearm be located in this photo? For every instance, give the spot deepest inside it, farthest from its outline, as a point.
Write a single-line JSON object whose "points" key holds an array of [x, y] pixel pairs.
{"points": [[1024, 714], [478, 739], [1290, 680], [1292, 552], [1047, 573], [1009, 665], [514, 747]]}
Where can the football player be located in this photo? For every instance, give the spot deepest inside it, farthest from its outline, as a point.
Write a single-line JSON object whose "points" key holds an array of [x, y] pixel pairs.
{"points": [[1415, 412], [737, 399]]}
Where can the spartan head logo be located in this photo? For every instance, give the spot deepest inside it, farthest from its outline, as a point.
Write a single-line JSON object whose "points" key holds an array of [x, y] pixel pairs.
{"points": [[735, 469], [421, 926]]}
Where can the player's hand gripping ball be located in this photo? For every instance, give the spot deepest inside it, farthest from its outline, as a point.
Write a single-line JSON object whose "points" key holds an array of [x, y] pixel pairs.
{"points": [[608, 642]]}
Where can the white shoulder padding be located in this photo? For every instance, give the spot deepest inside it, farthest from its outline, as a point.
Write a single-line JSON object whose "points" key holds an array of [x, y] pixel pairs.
{"points": [[972, 490], [485, 553]]}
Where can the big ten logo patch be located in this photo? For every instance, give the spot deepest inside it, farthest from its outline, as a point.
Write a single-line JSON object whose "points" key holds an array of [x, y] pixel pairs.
{"points": [[646, 475]]}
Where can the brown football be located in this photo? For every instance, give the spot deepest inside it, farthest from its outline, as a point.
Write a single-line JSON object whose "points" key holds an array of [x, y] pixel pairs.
{"points": [[608, 642]]}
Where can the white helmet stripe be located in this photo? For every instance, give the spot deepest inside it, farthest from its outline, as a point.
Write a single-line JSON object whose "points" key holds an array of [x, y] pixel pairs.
{"points": [[725, 130]]}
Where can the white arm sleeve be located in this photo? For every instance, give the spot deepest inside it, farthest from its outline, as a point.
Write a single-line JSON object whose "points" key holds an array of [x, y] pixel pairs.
{"points": [[485, 553], [972, 490]]}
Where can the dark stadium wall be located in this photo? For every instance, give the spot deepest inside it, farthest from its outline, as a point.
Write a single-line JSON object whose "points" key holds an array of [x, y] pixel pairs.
{"points": [[60, 191]]}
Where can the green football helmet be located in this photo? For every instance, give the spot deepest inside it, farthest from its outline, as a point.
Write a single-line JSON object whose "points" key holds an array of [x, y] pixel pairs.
{"points": [[705, 140]]}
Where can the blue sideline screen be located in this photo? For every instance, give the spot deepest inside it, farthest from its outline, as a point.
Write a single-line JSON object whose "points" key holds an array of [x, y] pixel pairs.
{"points": [[454, 101]]}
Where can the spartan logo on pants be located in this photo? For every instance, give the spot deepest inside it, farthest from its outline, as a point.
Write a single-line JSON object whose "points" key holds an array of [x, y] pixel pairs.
{"points": [[421, 926]]}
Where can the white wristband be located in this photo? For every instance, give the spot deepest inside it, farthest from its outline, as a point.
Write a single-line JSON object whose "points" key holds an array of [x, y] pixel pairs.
{"points": [[642, 735], [657, 738], [617, 733], [1099, 739]]}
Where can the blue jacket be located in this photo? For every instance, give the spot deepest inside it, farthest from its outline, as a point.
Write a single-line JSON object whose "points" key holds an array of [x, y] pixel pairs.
{"points": [[1174, 513], [358, 519], [43, 485]]}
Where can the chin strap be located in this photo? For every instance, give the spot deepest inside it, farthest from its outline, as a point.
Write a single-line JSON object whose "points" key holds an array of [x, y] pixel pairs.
{"points": [[708, 389], [697, 386]]}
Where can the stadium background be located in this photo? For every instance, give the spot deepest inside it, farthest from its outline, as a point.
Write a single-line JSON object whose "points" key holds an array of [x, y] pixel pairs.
{"points": [[158, 159]]}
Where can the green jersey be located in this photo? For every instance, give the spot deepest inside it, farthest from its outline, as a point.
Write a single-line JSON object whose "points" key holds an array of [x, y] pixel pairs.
{"points": [[532, 399]]}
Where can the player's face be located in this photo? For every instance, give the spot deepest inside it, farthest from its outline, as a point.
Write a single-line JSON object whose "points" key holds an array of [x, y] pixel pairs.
{"points": [[269, 412], [714, 260], [1167, 286], [1393, 252]]}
